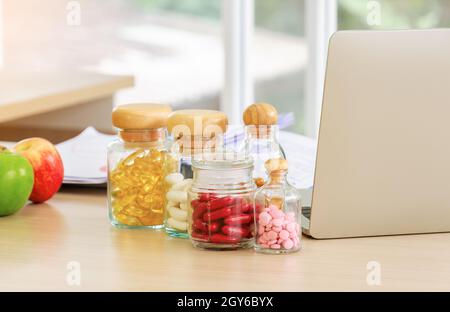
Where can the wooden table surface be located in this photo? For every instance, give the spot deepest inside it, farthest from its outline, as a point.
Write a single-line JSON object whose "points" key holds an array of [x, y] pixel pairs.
{"points": [[38, 245]]}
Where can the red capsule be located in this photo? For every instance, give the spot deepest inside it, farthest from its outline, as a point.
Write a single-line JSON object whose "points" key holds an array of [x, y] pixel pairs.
{"points": [[204, 197], [246, 207], [239, 219], [213, 227], [195, 203], [204, 227], [221, 202], [217, 214], [240, 209], [200, 236], [236, 231], [199, 210], [200, 226], [224, 239]]}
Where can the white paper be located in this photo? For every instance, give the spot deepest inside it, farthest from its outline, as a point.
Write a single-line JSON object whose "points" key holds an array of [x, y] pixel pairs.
{"points": [[84, 157], [301, 155]]}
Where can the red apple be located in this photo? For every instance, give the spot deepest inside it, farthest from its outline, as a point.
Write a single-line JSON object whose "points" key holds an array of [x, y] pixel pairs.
{"points": [[47, 166]]}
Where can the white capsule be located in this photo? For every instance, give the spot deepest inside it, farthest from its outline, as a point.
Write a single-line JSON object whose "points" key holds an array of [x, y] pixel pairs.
{"points": [[188, 185], [184, 206], [182, 186], [178, 214], [178, 225], [177, 196], [174, 178], [173, 204]]}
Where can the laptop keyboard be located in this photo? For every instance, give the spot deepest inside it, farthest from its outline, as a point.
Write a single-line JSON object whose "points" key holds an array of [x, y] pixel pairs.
{"points": [[306, 217], [306, 212]]}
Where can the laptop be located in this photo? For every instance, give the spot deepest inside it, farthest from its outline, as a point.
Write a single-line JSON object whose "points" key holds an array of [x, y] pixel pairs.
{"points": [[383, 158]]}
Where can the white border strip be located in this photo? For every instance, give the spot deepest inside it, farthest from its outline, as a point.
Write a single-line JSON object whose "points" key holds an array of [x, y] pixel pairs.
{"points": [[2, 54], [321, 23]]}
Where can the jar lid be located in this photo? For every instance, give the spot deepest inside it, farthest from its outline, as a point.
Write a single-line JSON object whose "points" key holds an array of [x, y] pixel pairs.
{"points": [[141, 116], [260, 114], [196, 120], [223, 161]]}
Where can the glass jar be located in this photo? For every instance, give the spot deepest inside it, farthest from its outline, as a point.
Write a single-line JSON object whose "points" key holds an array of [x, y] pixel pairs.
{"points": [[261, 138], [138, 162], [220, 204], [195, 132], [278, 212], [262, 144]]}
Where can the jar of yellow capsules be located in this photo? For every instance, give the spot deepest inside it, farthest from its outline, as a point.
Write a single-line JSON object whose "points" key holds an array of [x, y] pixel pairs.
{"points": [[138, 162]]}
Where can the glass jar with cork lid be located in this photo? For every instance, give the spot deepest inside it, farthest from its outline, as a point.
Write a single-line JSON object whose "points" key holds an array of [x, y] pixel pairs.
{"points": [[261, 138], [195, 133], [278, 212], [138, 162]]}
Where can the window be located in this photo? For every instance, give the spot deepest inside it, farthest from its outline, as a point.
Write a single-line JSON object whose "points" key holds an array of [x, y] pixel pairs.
{"points": [[203, 53], [279, 55], [360, 14], [286, 32], [173, 48], [393, 14]]}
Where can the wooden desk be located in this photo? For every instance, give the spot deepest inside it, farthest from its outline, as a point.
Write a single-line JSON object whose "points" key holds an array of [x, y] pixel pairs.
{"points": [[37, 244]]}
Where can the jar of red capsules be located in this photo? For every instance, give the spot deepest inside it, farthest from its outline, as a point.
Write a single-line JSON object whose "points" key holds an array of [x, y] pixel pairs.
{"points": [[221, 214]]}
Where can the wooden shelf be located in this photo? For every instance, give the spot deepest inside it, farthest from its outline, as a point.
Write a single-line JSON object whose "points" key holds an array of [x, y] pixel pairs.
{"points": [[29, 94]]}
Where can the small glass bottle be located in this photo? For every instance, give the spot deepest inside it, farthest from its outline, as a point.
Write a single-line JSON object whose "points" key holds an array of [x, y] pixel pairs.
{"points": [[195, 132], [221, 204], [138, 162], [261, 138], [278, 212]]}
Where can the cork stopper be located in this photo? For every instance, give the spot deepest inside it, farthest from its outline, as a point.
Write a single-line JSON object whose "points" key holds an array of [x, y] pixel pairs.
{"points": [[260, 114], [145, 116], [276, 165], [277, 169], [198, 123]]}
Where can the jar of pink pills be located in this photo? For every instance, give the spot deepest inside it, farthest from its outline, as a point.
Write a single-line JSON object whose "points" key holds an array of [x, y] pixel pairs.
{"points": [[277, 212]]}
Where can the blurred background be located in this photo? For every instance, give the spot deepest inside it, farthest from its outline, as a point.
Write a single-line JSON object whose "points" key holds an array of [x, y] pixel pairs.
{"points": [[174, 48]]}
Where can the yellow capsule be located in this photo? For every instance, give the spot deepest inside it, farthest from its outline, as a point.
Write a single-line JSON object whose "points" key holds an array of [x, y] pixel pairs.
{"points": [[158, 210], [117, 193], [128, 220], [116, 206], [127, 199], [152, 219], [147, 188], [136, 211]]}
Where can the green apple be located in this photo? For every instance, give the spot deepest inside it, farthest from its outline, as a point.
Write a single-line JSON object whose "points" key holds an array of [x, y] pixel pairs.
{"points": [[16, 182]]}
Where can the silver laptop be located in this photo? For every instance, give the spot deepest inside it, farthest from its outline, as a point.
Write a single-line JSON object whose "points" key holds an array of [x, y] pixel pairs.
{"points": [[383, 160]]}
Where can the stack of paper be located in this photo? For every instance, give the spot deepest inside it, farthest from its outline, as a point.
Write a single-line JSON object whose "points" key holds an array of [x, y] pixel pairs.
{"points": [[84, 158]]}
